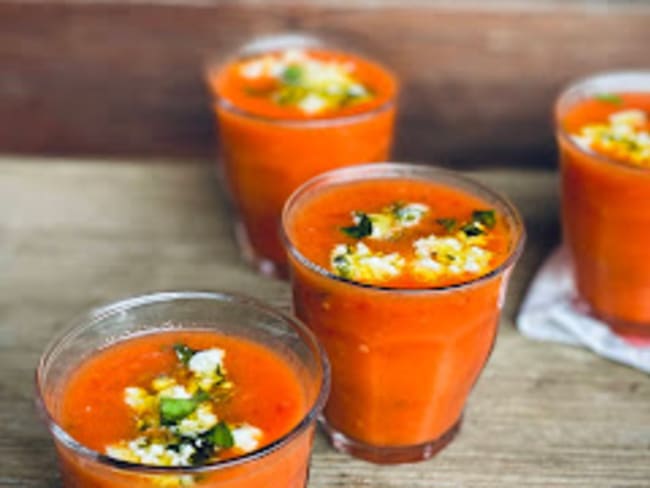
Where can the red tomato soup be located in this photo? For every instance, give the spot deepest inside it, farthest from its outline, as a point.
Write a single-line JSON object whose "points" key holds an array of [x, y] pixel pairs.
{"points": [[185, 398], [381, 272], [604, 144], [285, 116]]}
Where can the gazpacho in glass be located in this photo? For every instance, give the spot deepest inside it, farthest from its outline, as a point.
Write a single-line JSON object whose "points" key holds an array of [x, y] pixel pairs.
{"points": [[401, 271], [288, 109], [182, 390], [603, 132]]}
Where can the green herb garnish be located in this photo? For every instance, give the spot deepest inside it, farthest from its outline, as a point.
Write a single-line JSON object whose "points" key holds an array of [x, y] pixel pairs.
{"points": [[292, 75], [173, 410], [612, 98], [472, 230], [486, 217], [448, 224], [183, 353], [221, 436], [362, 229]]}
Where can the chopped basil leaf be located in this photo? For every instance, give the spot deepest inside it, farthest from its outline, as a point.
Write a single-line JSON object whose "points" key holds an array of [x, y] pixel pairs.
{"points": [[221, 436], [360, 230], [472, 230], [173, 410], [201, 396], [218, 437], [448, 224], [183, 353], [292, 75], [609, 98], [486, 217]]}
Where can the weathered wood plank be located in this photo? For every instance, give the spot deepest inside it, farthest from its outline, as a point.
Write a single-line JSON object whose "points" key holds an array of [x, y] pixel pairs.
{"points": [[123, 77], [74, 235]]}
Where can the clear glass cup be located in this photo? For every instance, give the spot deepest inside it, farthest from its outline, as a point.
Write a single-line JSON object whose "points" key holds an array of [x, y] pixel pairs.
{"points": [[605, 217], [403, 360], [282, 464], [265, 158]]}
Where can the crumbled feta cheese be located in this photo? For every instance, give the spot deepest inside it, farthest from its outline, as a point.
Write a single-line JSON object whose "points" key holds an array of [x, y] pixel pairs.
{"points": [[359, 263], [175, 417], [313, 85], [634, 117], [142, 451], [177, 391], [201, 420], [625, 138], [246, 437], [392, 220], [253, 69], [137, 398], [312, 103], [206, 362], [436, 256], [357, 90]]}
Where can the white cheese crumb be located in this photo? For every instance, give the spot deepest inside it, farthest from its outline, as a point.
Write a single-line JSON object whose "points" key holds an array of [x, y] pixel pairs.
{"points": [[633, 118], [359, 263], [177, 392], [206, 362], [326, 84], [140, 450], [199, 421], [253, 69], [312, 104], [246, 437], [436, 256], [136, 398]]}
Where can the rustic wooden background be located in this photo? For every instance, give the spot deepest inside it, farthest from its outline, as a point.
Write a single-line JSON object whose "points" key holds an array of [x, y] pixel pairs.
{"points": [[122, 77]]}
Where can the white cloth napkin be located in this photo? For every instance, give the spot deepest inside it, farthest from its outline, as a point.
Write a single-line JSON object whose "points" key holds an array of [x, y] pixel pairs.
{"points": [[550, 313]]}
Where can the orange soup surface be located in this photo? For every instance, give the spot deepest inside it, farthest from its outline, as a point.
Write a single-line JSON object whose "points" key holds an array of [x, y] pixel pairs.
{"points": [[401, 233], [181, 398], [298, 84], [613, 125]]}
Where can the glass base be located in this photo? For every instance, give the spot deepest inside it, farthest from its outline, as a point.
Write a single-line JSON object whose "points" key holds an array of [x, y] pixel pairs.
{"points": [[389, 454], [631, 332], [262, 265], [635, 333]]}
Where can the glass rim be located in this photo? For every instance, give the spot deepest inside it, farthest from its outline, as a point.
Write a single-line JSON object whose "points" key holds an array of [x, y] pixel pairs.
{"points": [[574, 88], [392, 169], [286, 41], [88, 319]]}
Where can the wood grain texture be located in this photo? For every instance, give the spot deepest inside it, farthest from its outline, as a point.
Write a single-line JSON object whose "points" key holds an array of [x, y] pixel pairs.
{"points": [[123, 77], [75, 235]]}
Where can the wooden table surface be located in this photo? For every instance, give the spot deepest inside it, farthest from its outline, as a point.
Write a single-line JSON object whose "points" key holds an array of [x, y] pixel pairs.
{"points": [[75, 234]]}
